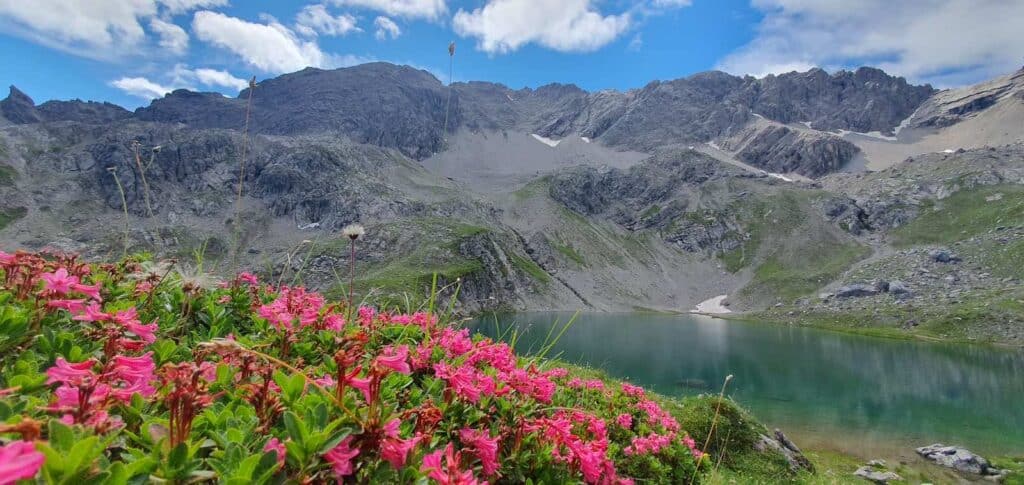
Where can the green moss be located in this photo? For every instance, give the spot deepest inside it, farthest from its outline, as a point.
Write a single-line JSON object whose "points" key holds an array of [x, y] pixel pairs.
{"points": [[963, 215], [9, 215], [533, 189], [7, 175], [651, 212]]}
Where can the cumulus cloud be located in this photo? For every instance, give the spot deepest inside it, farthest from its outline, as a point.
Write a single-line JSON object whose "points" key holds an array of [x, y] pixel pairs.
{"points": [[175, 7], [672, 3], [93, 28], [213, 77], [141, 87], [946, 42], [172, 37], [426, 9], [386, 28], [315, 19], [270, 47], [502, 26]]}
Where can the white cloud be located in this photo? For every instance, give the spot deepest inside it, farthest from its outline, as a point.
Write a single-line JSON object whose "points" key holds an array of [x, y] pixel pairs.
{"points": [[427, 9], [270, 47], [213, 77], [172, 37], [141, 87], [175, 7], [503, 26], [672, 3], [636, 43], [94, 28], [315, 19], [386, 28], [940, 41]]}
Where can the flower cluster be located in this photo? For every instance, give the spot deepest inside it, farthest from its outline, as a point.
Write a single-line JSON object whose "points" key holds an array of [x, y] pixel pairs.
{"points": [[252, 383]]}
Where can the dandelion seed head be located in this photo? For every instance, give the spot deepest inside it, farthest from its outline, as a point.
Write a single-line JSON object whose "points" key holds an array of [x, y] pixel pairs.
{"points": [[353, 231]]}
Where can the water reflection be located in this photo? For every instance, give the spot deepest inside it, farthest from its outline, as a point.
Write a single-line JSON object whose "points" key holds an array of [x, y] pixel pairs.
{"points": [[813, 382]]}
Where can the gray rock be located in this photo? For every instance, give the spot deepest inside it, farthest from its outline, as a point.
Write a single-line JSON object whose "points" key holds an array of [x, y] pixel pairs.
{"points": [[943, 256], [957, 458], [856, 290], [899, 289], [876, 476]]}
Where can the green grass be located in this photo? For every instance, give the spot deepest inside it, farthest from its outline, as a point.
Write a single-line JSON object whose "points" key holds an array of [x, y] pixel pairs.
{"points": [[766, 218], [529, 267], [962, 215], [791, 278], [1004, 260], [533, 188], [651, 212], [569, 252], [9, 215]]}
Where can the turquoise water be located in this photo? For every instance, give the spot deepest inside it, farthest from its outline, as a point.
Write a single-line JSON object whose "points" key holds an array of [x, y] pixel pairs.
{"points": [[866, 394]]}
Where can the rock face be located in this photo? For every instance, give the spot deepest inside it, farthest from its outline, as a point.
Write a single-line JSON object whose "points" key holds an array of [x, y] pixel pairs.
{"points": [[943, 256], [953, 106], [855, 291], [959, 459], [782, 444]]}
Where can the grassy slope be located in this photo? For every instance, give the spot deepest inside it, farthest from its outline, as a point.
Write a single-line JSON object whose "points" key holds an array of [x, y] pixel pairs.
{"points": [[964, 214], [792, 250]]}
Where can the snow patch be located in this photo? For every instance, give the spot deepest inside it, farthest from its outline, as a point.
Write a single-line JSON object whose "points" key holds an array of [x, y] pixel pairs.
{"points": [[311, 225], [948, 150], [545, 140], [871, 134], [585, 139], [806, 123], [714, 145], [509, 96], [778, 176], [712, 305], [759, 116]]}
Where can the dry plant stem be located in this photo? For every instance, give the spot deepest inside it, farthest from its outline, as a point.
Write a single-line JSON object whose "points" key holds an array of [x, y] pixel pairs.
{"points": [[714, 422], [124, 207], [351, 273], [145, 183], [241, 169], [311, 382]]}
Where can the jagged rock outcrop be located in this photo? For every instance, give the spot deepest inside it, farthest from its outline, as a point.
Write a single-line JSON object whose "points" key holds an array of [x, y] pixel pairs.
{"points": [[953, 106], [18, 108], [780, 149], [959, 459], [82, 111]]}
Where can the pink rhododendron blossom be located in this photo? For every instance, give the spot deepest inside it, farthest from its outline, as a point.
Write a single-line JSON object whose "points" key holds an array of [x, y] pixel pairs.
{"points": [[447, 471], [366, 315], [72, 374], [631, 390], [58, 282], [93, 313], [277, 447], [340, 457], [594, 384], [19, 460], [72, 306], [394, 358], [92, 291], [624, 420], [248, 278], [334, 322], [483, 446]]}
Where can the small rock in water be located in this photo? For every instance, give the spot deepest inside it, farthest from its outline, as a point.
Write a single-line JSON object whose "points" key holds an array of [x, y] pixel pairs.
{"points": [[876, 476]]}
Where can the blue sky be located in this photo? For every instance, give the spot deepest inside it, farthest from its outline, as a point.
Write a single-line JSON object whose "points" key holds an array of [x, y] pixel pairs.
{"points": [[129, 51]]}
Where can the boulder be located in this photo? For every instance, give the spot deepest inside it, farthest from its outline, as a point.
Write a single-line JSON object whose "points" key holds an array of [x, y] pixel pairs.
{"points": [[900, 289], [876, 476], [959, 459], [856, 290], [943, 256]]}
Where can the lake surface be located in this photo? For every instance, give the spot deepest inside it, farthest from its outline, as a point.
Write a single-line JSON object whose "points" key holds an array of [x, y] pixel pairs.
{"points": [[864, 394]]}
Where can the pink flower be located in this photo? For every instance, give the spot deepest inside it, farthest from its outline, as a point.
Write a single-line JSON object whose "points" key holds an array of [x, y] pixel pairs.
{"points": [[396, 450], [72, 374], [631, 390], [93, 313], [447, 472], [366, 315], [248, 278], [277, 447], [394, 358], [136, 374], [363, 384], [19, 460], [224, 300], [72, 306], [145, 332], [484, 447], [340, 457], [325, 381], [58, 281], [90, 291], [334, 322], [594, 384], [624, 420]]}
